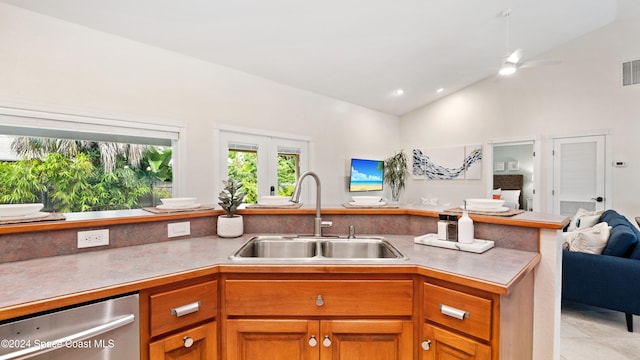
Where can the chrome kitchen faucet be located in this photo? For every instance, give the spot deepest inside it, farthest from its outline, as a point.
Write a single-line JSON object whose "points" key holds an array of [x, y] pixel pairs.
{"points": [[318, 223]]}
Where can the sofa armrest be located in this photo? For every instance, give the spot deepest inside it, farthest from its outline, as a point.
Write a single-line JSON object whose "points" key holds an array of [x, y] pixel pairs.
{"points": [[606, 281]]}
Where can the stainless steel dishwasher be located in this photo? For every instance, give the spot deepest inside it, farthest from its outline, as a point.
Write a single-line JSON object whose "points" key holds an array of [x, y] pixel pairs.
{"points": [[106, 329]]}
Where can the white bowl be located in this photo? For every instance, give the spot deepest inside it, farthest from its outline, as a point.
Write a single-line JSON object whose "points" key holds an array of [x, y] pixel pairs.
{"points": [[15, 210], [366, 199], [484, 204], [274, 200], [178, 202]]}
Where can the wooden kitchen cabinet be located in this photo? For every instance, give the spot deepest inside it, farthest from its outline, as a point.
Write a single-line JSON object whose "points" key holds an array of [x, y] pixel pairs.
{"points": [[181, 321], [272, 339], [324, 319], [460, 323], [319, 339], [367, 339], [198, 343], [470, 316], [439, 344]]}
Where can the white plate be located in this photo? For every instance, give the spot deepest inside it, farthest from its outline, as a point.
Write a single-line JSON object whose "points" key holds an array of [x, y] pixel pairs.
{"points": [[25, 217], [500, 209], [360, 203], [167, 207], [17, 210]]}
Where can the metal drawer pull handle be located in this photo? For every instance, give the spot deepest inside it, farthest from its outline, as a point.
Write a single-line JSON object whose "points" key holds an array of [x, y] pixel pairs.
{"points": [[70, 339], [453, 312], [319, 300], [186, 309]]}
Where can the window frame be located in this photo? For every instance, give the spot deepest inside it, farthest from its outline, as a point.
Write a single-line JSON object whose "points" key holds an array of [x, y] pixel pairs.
{"points": [[270, 141]]}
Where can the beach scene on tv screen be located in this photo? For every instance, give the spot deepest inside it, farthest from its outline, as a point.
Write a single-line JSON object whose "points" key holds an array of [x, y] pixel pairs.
{"points": [[366, 175]]}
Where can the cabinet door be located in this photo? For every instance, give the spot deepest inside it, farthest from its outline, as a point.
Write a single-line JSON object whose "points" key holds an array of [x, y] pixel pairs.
{"points": [[439, 344], [366, 339], [198, 343], [271, 339]]}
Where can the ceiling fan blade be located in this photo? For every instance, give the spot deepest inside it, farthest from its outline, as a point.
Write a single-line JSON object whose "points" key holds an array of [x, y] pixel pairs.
{"points": [[537, 63], [515, 56]]}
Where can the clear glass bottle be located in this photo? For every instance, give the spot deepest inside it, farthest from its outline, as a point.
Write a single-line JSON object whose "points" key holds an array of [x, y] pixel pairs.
{"points": [[452, 228]]}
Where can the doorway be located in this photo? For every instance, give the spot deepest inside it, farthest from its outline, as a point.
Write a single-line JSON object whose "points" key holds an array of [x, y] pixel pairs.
{"points": [[515, 165], [580, 174]]}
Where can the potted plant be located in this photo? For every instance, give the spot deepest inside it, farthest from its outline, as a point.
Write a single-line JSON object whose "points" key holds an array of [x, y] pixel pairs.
{"points": [[395, 174], [230, 224]]}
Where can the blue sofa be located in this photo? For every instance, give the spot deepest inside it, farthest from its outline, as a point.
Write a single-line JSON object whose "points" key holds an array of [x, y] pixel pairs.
{"points": [[610, 280]]}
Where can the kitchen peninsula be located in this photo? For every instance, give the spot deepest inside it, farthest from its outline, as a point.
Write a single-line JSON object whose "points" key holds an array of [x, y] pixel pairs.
{"points": [[491, 279]]}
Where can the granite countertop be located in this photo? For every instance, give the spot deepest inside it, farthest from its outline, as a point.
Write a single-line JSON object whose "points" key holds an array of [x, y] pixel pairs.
{"points": [[52, 278]]}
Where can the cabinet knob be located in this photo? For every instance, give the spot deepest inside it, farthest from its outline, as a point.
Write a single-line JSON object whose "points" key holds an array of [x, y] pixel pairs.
{"points": [[319, 300], [426, 345], [326, 342], [313, 342], [187, 341]]}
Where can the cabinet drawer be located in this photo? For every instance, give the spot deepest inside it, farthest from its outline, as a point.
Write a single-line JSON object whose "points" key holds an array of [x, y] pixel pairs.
{"points": [[319, 297], [174, 309], [457, 310]]}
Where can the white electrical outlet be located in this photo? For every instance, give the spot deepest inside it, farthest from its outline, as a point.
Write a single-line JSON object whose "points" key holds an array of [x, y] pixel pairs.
{"points": [[93, 238], [179, 229]]}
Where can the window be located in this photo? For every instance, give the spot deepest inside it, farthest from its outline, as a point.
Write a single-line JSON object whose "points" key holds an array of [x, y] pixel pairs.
{"points": [[77, 163], [263, 162]]}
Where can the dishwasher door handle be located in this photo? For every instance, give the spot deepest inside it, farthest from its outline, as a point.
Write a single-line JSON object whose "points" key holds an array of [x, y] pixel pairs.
{"points": [[47, 346]]}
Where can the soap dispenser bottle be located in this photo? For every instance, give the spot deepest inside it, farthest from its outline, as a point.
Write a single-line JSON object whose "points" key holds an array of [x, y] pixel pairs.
{"points": [[465, 227]]}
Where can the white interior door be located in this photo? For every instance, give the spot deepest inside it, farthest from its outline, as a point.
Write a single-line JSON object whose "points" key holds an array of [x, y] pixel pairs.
{"points": [[579, 174]]}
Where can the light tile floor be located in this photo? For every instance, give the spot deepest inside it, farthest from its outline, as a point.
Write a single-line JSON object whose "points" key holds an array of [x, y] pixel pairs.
{"points": [[588, 332]]}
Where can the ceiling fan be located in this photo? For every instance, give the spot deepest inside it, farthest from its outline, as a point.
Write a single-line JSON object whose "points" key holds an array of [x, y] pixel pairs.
{"points": [[512, 60]]}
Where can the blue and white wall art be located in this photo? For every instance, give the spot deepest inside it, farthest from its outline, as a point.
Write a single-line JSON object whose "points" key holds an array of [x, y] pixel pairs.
{"points": [[449, 163]]}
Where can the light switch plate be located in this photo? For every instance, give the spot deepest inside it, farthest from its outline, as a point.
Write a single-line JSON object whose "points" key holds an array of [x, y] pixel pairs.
{"points": [[179, 229]]}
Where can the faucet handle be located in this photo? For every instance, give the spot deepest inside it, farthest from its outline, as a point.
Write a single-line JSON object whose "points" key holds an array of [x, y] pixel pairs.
{"points": [[352, 232], [326, 224]]}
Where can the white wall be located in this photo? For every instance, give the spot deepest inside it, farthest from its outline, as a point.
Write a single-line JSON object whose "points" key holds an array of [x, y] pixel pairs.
{"points": [[45, 61], [581, 94]]}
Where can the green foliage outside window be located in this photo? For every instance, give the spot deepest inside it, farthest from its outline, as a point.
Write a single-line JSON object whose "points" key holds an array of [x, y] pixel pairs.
{"points": [[91, 176], [243, 167], [287, 174]]}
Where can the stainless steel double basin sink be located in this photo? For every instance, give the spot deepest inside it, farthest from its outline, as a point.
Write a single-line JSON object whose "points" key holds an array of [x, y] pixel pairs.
{"points": [[317, 248]]}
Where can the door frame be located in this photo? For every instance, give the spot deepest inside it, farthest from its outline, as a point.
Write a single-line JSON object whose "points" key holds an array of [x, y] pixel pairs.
{"points": [[608, 168]]}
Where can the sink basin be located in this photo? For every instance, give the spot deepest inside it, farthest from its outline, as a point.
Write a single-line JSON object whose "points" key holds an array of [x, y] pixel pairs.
{"points": [[311, 248], [278, 247], [359, 249]]}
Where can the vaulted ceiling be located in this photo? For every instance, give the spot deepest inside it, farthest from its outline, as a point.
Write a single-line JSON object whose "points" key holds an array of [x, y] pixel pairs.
{"points": [[359, 51]]}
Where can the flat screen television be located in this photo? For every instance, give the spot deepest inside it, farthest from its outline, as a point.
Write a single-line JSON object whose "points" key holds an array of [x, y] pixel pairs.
{"points": [[366, 175]]}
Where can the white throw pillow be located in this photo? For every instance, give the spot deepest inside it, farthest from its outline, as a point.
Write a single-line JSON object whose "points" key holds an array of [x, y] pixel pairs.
{"points": [[577, 221], [511, 198], [590, 240]]}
